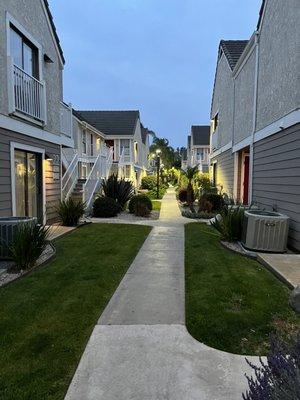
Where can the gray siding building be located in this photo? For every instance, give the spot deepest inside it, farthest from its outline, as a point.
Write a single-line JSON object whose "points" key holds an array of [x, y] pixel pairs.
{"points": [[256, 159], [34, 121]]}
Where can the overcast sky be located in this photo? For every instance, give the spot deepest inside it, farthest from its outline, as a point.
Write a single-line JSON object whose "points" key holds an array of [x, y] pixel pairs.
{"points": [[158, 56]]}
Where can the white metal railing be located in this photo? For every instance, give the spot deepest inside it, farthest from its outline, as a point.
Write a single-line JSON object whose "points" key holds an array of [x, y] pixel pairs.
{"points": [[97, 174], [70, 178], [66, 119], [109, 161], [28, 94]]}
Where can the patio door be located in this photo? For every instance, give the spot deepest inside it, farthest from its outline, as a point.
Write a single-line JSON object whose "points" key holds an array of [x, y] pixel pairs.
{"points": [[28, 184], [245, 175]]}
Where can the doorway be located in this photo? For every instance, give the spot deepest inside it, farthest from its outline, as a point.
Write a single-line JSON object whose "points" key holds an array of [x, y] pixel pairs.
{"points": [[243, 164], [28, 184]]}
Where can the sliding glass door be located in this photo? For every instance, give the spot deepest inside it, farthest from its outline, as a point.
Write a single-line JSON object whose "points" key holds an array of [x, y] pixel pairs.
{"points": [[28, 184]]}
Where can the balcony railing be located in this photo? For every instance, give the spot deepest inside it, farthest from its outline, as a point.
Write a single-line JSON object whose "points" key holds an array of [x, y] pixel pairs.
{"points": [[66, 120], [28, 94]]}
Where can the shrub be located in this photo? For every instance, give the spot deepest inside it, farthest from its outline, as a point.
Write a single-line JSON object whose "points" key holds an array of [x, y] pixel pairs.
{"points": [[279, 377], [183, 194], [139, 199], [215, 199], [118, 189], [28, 244], [70, 211], [230, 223], [149, 182], [141, 210], [152, 194], [105, 207], [205, 205]]}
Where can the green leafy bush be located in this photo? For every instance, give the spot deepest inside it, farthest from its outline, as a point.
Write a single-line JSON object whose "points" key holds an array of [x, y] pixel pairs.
{"points": [[152, 194], [70, 211], [139, 199], [215, 199], [118, 189], [105, 207], [28, 244], [205, 205], [149, 182], [230, 223], [142, 210]]}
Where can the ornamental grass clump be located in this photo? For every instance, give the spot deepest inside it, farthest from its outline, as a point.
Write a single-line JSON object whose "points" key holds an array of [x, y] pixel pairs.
{"points": [[118, 189], [230, 223], [70, 211], [28, 244], [279, 377]]}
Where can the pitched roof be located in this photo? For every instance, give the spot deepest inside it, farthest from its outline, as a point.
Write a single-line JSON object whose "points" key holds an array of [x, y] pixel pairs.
{"points": [[54, 30], [233, 50], [200, 135], [115, 123], [261, 11]]}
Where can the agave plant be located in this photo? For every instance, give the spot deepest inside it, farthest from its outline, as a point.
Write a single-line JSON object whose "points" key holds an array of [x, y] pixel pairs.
{"points": [[118, 189], [28, 244], [70, 211]]}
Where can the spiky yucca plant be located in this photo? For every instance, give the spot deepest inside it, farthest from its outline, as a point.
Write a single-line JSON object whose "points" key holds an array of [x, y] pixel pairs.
{"points": [[70, 211], [28, 244], [118, 189], [190, 173]]}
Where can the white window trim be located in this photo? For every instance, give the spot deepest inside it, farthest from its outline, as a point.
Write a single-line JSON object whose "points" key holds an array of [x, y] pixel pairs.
{"points": [[20, 146]]}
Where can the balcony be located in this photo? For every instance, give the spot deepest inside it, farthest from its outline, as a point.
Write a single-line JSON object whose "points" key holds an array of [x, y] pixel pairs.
{"points": [[66, 119], [27, 95]]}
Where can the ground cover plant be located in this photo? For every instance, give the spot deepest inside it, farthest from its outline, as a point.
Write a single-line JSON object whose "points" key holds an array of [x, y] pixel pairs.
{"points": [[46, 318], [156, 205], [232, 302]]}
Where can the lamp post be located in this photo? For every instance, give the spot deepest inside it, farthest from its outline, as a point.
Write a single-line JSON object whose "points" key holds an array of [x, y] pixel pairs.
{"points": [[158, 151]]}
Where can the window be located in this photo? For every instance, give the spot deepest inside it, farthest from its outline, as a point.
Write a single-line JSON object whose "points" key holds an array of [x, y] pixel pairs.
{"points": [[125, 144], [23, 53]]}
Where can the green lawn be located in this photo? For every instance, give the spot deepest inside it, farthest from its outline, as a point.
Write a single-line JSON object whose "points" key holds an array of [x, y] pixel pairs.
{"points": [[232, 302], [47, 317], [156, 204]]}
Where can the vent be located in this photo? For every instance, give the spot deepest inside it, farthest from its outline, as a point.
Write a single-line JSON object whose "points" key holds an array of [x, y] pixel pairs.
{"points": [[265, 231]]}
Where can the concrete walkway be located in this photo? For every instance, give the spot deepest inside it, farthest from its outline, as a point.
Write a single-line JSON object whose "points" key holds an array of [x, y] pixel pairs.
{"points": [[140, 348]]}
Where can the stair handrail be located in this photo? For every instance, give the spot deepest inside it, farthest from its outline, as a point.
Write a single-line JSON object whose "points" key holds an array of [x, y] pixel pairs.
{"points": [[109, 162], [70, 177], [94, 178]]}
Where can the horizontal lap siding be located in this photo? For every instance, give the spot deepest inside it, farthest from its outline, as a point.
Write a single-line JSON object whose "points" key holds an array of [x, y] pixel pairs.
{"points": [[52, 187], [276, 177], [225, 171]]}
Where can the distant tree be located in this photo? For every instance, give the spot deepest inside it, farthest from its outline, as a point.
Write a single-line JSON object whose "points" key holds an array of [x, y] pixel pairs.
{"points": [[169, 157]]}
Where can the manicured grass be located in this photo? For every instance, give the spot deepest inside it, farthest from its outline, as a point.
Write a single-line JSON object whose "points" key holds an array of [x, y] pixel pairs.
{"points": [[47, 317], [232, 302], [156, 205]]}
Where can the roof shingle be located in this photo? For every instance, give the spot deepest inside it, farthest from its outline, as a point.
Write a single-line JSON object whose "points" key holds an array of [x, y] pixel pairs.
{"points": [[200, 135], [233, 50], [114, 123]]}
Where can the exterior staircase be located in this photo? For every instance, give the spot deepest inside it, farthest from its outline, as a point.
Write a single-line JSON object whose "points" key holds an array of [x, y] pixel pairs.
{"points": [[77, 193]]}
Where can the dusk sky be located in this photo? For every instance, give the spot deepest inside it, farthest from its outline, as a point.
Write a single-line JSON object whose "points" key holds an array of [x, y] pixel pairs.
{"points": [[157, 56]]}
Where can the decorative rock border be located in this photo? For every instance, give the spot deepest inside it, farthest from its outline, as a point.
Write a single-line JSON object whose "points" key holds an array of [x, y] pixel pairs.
{"points": [[47, 255]]}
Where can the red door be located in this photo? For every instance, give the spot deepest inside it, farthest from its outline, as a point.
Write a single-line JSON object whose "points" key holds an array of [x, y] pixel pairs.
{"points": [[110, 143], [246, 179]]}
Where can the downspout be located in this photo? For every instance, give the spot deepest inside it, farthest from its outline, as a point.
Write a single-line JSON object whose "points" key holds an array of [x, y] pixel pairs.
{"points": [[254, 117]]}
